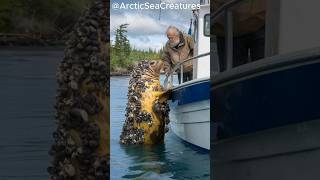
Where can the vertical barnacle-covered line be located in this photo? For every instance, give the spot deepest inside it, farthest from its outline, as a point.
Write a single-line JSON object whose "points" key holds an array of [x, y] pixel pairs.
{"points": [[147, 111], [81, 140]]}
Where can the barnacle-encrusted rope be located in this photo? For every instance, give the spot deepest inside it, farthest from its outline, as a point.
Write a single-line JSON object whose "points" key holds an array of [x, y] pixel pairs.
{"points": [[147, 112], [81, 140]]}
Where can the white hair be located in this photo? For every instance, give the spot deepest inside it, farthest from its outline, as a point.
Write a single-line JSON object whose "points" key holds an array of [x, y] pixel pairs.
{"points": [[177, 31]]}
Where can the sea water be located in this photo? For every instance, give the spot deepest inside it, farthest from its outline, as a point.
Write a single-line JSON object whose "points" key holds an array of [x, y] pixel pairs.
{"points": [[172, 160]]}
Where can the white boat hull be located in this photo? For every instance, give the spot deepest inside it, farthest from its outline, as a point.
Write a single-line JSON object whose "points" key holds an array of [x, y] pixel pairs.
{"points": [[191, 122]]}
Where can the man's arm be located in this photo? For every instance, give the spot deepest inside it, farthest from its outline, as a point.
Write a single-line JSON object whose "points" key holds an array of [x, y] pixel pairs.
{"points": [[190, 42], [167, 61]]}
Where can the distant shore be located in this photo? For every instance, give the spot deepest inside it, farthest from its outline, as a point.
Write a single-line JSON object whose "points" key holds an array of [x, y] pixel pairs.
{"points": [[28, 48], [13, 39], [60, 47], [114, 73]]}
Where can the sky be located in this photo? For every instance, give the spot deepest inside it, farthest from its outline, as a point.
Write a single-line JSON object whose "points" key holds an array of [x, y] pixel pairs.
{"points": [[147, 28]]}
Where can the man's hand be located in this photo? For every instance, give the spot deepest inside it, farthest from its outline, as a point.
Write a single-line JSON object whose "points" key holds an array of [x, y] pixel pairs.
{"points": [[167, 68]]}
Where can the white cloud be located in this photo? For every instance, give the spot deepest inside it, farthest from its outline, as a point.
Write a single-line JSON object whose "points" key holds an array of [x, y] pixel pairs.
{"points": [[143, 46], [145, 30], [155, 42], [139, 24], [144, 39]]}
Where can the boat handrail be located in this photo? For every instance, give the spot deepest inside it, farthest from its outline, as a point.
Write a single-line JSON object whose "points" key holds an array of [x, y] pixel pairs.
{"points": [[228, 30], [225, 7], [168, 84], [186, 60]]}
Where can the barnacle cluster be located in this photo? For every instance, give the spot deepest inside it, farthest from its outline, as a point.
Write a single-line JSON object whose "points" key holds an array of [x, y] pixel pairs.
{"points": [[147, 111], [81, 140]]}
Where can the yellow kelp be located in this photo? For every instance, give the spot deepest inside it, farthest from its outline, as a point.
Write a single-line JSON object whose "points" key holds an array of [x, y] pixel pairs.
{"points": [[81, 141], [147, 109]]}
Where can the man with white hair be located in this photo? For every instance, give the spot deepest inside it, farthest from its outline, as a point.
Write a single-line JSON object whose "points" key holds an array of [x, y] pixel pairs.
{"points": [[178, 48]]}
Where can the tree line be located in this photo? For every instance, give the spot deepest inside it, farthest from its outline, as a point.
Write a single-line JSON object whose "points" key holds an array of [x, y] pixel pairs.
{"points": [[40, 18], [123, 55]]}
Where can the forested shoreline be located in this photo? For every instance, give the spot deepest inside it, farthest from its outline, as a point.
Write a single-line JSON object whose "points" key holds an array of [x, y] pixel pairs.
{"points": [[38, 22], [124, 56], [48, 23]]}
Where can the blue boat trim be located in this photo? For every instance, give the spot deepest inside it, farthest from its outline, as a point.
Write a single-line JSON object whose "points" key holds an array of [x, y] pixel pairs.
{"points": [[269, 63], [190, 93], [269, 100], [194, 122]]}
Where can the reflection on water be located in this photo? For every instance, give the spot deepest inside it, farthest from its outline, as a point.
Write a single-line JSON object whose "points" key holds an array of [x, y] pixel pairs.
{"points": [[172, 160], [146, 159], [27, 90]]}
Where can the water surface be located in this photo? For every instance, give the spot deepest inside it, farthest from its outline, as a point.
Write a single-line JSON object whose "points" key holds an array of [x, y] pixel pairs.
{"points": [[172, 160], [27, 94]]}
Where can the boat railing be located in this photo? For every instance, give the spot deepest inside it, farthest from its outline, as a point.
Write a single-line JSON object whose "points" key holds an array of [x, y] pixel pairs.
{"points": [[227, 10], [226, 6], [168, 82]]}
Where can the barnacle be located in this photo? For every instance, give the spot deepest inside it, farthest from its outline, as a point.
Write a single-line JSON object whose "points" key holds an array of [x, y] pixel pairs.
{"points": [[147, 111], [81, 146]]}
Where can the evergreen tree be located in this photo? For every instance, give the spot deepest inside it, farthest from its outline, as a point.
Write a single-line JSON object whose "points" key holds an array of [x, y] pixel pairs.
{"points": [[122, 45], [123, 54]]}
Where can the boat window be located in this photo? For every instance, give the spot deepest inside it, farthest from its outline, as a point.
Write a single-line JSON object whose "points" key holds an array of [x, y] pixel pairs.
{"points": [[204, 1], [206, 25], [240, 32], [218, 31]]}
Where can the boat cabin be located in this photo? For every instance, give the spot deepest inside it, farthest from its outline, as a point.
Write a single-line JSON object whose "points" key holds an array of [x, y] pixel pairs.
{"points": [[247, 31], [264, 71], [200, 32], [201, 36]]}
